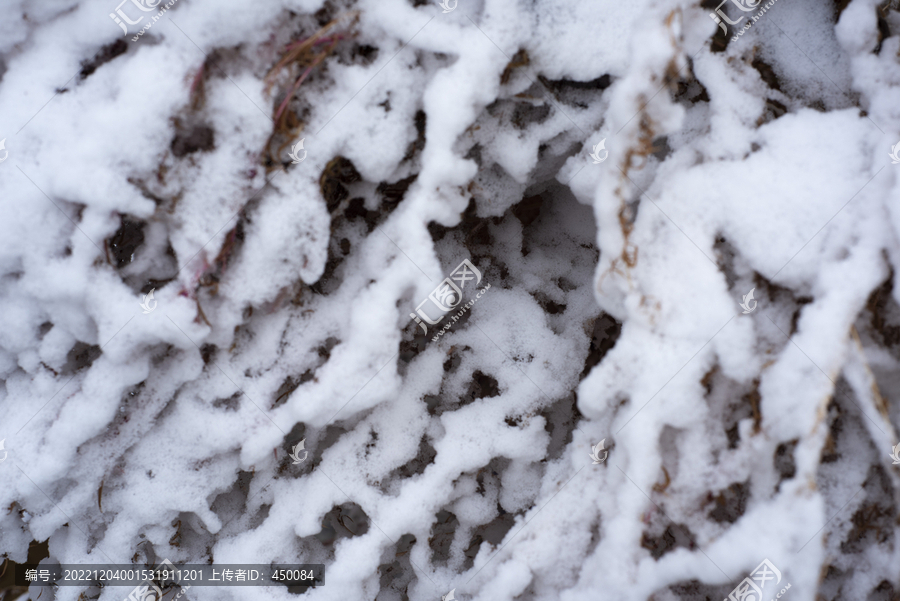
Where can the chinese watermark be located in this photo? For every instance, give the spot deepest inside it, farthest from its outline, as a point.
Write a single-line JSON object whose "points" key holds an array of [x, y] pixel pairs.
{"points": [[752, 586], [595, 154], [33, 575], [148, 304], [595, 452], [147, 6], [447, 297], [745, 303], [295, 452], [894, 154], [293, 153], [148, 591], [746, 6]]}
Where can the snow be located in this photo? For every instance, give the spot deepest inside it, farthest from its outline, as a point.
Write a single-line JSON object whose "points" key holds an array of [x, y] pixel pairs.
{"points": [[284, 291]]}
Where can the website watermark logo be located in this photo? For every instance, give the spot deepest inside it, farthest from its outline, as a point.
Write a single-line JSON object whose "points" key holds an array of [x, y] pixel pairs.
{"points": [[447, 297], [145, 592], [745, 303], [895, 455], [719, 16], [751, 588], [293, 153], [449, 596], [148, 304], [295, 452], [4, 450], [746, 6], [595, 153], [595, 452], [894, 154], [121, 19], [448, 5], [6, 152], [148, 591]]}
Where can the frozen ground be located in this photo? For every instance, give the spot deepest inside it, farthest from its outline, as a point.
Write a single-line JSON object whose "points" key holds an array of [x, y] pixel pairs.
{"points": [[610, 304]]}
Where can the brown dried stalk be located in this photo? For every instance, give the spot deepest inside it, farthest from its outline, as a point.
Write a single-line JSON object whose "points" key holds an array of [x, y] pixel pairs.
{"points": [[304, 56], [198, 92], [299, 52]]}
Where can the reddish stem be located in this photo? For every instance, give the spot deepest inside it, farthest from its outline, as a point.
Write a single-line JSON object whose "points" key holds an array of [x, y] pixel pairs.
{"points": [[298, 43], [303, 76], [197, 79]]}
